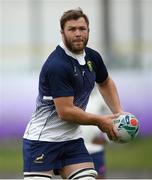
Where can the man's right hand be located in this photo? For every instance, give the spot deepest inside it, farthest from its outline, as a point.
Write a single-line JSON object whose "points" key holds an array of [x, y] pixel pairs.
{"points": [[106, 125]]}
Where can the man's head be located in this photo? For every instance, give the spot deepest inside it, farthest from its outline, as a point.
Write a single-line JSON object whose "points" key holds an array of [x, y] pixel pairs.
{"points": [[75, 30]]}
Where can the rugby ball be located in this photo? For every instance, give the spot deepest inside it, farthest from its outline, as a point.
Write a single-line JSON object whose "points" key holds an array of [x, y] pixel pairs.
{"points": [[127, 126]]}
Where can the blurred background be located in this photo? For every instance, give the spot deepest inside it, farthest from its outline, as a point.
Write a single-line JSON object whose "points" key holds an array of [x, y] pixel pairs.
{"points": [[121, 30]]}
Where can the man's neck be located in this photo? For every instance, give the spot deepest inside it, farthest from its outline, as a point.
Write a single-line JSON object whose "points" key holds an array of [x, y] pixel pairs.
{"points": [[79, 57]]}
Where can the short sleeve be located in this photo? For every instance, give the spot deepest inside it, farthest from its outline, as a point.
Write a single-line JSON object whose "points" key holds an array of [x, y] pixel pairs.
{"points": [[60, 82], [101, 70]]}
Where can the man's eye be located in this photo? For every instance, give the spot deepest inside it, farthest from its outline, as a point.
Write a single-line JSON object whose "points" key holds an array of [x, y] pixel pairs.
{"points": [[72, 29], [83, 29]]}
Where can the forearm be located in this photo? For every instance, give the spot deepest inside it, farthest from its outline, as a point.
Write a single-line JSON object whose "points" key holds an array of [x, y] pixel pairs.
{"points": [[77, 115], [67, 111], [109, 92]]}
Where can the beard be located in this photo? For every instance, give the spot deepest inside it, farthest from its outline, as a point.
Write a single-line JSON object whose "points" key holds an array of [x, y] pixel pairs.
{"points": [[76, 46]]}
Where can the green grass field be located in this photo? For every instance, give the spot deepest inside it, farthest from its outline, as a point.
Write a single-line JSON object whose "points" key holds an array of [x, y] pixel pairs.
{"points": [[10, 157], [135, 156]]}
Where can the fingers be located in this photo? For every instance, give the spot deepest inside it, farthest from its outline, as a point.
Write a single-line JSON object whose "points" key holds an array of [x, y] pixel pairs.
{"points": [[114, 116], [109, 136], [113, 134], [116, 133], [108, 126]]}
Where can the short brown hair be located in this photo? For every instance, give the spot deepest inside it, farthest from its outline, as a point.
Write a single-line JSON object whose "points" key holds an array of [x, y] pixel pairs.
{"points": [[73, 14]]}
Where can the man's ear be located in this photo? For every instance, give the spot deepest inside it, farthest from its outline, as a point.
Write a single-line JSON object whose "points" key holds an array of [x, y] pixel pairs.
{"points": [[61, 31], [62, 34]]}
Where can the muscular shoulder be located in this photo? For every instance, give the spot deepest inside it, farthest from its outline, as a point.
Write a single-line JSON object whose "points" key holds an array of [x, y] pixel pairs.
{"points": [[93, 53], [95, 57], [98, 64]]}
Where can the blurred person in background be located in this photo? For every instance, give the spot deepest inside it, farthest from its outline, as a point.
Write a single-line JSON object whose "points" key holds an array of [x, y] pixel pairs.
{"points": [[53, 140], [95, 141]]}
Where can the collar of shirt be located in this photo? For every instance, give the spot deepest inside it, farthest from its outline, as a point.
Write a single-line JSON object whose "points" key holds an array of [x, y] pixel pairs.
{"points": [[79, 57]]}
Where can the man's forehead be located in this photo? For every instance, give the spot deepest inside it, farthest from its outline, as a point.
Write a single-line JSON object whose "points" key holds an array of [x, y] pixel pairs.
{"points": [[81, 21]]}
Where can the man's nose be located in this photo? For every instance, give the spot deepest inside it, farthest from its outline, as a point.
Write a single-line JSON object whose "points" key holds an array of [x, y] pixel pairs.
{"points": [[77, 32]]}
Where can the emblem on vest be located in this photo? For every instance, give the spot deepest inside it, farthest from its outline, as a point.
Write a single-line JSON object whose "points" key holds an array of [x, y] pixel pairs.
{"points": [[90, 65]]}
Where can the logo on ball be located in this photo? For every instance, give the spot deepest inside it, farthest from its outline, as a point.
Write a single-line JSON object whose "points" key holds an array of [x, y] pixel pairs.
{"points": [[128, 127]]}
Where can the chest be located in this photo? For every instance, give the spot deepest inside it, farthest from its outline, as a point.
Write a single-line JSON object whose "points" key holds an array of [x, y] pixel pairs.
{"points": [[83, 79]]}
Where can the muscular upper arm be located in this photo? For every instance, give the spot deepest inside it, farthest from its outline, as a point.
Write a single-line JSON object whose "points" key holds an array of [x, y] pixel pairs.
{"points": [[109, 92], [63, 105], [107, 87], [104, 83]]}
